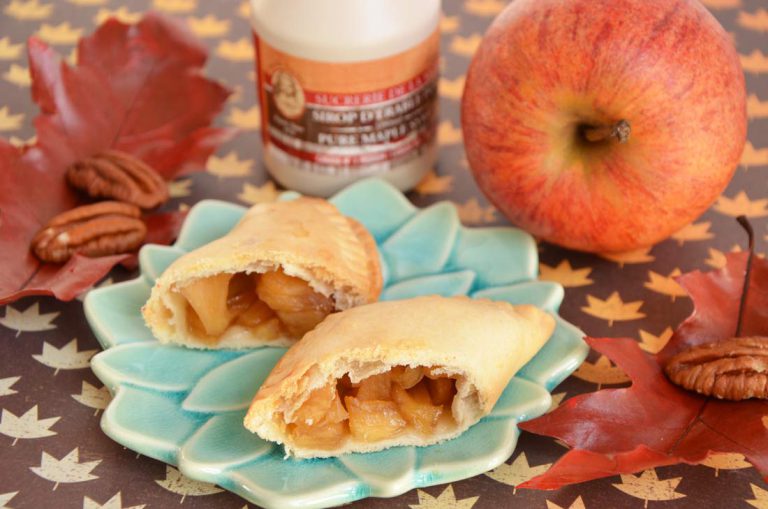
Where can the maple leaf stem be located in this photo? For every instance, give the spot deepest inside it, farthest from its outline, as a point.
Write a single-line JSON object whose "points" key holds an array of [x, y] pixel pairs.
{"points": [[744, 222]]}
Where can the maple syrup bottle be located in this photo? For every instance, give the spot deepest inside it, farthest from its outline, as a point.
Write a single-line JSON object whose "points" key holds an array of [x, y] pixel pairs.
{"points": [[348, 90]]}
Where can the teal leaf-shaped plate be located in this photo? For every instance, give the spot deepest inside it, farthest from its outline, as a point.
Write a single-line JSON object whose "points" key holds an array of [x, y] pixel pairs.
{"points": [[186, 407]]}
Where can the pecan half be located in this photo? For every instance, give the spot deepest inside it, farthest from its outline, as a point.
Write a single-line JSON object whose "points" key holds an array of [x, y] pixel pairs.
{"points": [[119, 176], [733, 369], [101, 229]]}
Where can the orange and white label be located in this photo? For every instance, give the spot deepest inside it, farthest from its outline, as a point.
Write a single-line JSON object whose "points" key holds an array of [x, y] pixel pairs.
{"points": [[357, 116]]}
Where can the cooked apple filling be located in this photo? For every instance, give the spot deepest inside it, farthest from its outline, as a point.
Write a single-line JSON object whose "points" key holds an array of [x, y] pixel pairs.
{"points": [[403, 400], [270, 305]]}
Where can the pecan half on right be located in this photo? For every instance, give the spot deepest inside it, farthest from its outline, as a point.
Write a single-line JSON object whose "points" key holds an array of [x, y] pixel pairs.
{"points": [[733, 369], [119, 176], [101, 229]]}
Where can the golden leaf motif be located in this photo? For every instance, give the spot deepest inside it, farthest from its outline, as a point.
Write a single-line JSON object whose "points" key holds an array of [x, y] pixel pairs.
{"points": [[465, 46], [565, 274], [184, 486], [557, 398], [722, 4], [517, 472], [754, 156], [716, 258], [180, 188], [240, 50], [613, 309], [66, 470], [432, 183], [208, 26], [642, 255], [20, 142], [26, 426], [116, 502], [10, 121], [647, 486], [237, 94], [445, 500], [484, 7], [757, 20], [755, 63], [452, 89], [761, 497], [63, 33], [8, 50], [66, 357], [29, 320], [28, 10], [653, 344], [5, 498], [248, 119], [694, 231], [175, 6], [472, 213], [725, 461], [229, 166], [18, 75], [742, 205], [6, 384], [449, 24], [447, 134], [665, 285], [244, 9], [756, 108], [121, 14], [72, 57], [264, 193], [601, 372], [93, 397], [576, 504]]}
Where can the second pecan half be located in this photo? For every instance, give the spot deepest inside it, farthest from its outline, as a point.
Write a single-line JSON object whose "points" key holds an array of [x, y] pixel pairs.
{"points": [[119, 176], [733, 369], [101, 229]]}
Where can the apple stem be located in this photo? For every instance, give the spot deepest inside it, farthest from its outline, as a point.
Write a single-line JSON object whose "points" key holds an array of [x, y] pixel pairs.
{"points": [[744, 222], [620, 130]]}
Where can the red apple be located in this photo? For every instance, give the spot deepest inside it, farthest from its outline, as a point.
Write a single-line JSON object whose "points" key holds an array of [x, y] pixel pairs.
{"points": [[604, 125]]}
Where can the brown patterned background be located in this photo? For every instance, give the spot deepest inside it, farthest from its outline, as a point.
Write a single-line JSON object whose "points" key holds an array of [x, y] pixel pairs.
{"points": [[51, 402]]}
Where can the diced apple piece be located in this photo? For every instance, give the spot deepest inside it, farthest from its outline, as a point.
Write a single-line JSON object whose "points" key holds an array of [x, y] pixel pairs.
{"points": [[194, 323], [373, 420], [208, 298], [375, 387], [325, 436], [256, 314], [416, 407], [299, 323], [241, 292], [288, 293], [269, 330], [406, 376], [441, 390], [322, 407]]}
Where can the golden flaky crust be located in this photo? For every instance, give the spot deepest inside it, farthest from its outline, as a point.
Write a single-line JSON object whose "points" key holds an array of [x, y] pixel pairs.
{"points": [[481, 343], [308, 238]]}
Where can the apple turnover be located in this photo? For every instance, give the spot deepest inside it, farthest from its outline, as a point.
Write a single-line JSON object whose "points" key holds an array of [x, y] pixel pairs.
{"points": [[277, 274], [410, 372]]}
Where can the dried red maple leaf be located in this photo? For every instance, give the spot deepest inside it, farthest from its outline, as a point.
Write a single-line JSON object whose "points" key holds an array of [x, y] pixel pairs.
{"points": [[136, 88], [653, 422]]}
